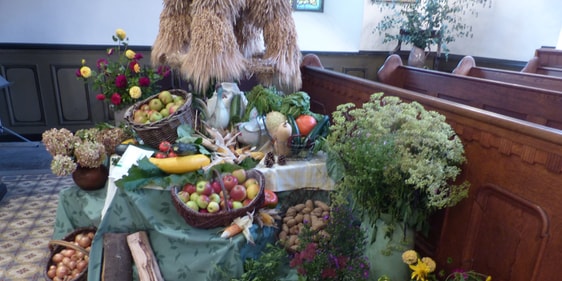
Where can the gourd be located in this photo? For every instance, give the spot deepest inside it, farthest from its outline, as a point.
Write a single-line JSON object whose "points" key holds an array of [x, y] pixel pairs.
{"points": [[280, 137], [181, 164]]}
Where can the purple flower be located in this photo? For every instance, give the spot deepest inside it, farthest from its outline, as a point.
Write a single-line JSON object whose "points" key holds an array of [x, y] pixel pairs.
{"points": [[144, 81], [102, 64]]}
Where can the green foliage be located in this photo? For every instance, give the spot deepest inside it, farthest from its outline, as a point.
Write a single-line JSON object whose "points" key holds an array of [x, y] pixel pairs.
{"points": [[395, 158], [263, 99], [428, 22], [268, 267]]}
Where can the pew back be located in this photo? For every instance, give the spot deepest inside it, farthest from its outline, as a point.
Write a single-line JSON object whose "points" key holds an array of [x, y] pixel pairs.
{"points": [[537, 105], [467, 66], [547, 61]]}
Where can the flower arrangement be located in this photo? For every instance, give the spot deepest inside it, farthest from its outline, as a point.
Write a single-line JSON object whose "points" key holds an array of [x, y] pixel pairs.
{"points": [[86, 148], [337, 253], [423, 269], [395, 158], [120, 77]]}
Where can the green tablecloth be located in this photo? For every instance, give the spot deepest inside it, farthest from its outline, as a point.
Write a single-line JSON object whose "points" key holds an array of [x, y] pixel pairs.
{"points": [[183, 252]]}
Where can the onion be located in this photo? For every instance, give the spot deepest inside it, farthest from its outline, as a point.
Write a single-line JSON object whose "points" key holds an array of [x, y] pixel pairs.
{"points": [[65, 261], [71, 265], [52, 273], [78, 237], [91, 235], [62, 271], [68, 252], [81, 265], [57, 257], [79, 255], [84, 242]]}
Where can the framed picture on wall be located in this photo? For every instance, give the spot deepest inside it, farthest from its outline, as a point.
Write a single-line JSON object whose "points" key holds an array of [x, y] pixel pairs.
{"points": [[308, 5]]}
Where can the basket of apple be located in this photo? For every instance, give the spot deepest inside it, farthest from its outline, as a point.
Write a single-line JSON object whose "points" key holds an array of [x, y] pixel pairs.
{"points": [[218, 201], [157, 118]]}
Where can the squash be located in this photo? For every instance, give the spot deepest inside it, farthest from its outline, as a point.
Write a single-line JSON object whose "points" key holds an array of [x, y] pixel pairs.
{"points": [[181, 164], [280, 137]]}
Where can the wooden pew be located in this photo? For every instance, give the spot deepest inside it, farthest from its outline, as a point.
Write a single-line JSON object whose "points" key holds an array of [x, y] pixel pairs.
{"points": [[537, 105], [547, 61], [467, 66], [509, 226]]}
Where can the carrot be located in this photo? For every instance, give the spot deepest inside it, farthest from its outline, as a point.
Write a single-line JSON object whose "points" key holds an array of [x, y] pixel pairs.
{"points": [[231, 231]]}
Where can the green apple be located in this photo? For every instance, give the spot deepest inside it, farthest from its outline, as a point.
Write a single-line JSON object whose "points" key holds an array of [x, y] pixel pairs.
{"points": [[155, 116], [192, 205], [237, 205], [165, 97], [213, 207], [165, 112], [240, 174], [155, 104]]}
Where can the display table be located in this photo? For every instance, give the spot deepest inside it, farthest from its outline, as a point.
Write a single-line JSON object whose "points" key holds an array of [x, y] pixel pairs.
{"points": [[183, 252]]}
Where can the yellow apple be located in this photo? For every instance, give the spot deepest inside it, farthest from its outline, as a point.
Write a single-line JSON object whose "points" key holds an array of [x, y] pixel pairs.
{"points": [[252, 190]]}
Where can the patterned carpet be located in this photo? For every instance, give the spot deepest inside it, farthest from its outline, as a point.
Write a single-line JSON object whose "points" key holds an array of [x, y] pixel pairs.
{"points": [[27, 217]]}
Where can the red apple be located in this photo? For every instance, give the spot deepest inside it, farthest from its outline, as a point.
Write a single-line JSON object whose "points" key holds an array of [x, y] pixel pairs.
{"points": [[223, 205], [229, 181], [203, 187], [184, 196], [216, 186], [203, 211], [238, 193], [203, 201], [247, 202], [189, 188]]}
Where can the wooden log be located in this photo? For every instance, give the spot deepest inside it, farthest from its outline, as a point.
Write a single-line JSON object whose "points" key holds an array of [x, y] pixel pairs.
{"points": [[117, 259], [144, 257]]}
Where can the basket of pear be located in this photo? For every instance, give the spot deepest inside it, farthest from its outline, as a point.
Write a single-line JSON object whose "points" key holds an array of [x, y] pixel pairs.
{"points": [[156, 118]]}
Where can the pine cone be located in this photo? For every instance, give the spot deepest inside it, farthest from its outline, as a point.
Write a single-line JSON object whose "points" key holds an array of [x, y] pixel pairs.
{"points": [[269, 159], [282, 160]]}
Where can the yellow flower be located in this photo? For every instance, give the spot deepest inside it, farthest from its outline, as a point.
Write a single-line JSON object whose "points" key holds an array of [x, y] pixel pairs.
{"points": [[410, 257], [430, 263], [85, 71], [489, 278], [136, 68], [130, 54], [120, 33], [135, 92], [419, 271], [83, 61]]}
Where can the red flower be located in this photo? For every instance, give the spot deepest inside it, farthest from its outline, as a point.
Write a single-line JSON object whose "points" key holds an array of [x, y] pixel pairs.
{"points": [[100, 97], [328, 273], [116, 99], [132, 65], [138, 56], [121, 81], [163, 70], [78, 73], [144, 81]]}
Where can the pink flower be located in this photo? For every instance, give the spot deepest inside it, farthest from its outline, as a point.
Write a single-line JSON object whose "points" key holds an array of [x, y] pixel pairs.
{"points": [[116, 99], [102, 64], [78, 73], [100, 97], [138, 56], [110, 51], [121, 81], [144, 81]]}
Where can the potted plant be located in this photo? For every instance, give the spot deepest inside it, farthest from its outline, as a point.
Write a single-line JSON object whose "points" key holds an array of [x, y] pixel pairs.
{"points": [[424, 23], [82, 154], [397, 163]]}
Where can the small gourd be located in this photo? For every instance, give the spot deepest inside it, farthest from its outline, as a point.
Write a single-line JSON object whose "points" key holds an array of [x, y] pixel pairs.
{"points": [[280, 137]]}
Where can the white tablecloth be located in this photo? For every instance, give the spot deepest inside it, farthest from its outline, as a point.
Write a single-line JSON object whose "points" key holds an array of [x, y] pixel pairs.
{"points": [[297, 174]]}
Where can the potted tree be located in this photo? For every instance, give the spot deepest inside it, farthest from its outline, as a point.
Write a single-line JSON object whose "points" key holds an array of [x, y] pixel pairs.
{"points": [[426, 23]]}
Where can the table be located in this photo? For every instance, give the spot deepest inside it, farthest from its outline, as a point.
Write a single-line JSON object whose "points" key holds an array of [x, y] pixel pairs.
{"points": [[183, 252]]}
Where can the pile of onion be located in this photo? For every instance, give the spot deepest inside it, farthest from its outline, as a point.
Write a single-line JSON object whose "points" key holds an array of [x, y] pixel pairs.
{"points": [[69, 263]]}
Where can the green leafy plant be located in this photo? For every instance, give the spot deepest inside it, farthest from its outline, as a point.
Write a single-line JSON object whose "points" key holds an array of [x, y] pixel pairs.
{"points": [[424, 23], [120, 77], [395, 158]]}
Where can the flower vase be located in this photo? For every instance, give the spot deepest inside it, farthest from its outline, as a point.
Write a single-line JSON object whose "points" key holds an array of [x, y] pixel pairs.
{"points": [[417, 57], [385, 253], [117, 115], [90, 178]]}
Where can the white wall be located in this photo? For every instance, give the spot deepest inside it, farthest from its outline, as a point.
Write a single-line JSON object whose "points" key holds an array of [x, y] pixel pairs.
{"points": [[510, 29], [93, 22]]}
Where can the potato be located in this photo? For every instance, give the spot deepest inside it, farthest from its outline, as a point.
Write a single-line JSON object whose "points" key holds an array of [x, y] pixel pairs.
{"points": [[299, 218], [309, 204], [299, 207], [322, 205]]}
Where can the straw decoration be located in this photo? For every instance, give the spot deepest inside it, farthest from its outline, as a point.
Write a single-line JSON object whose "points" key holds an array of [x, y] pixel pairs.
{"points": [[213, 54], [173, 35]]}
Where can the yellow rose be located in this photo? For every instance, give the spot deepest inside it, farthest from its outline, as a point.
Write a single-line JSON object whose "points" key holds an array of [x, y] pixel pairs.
{"points": [[130, 54], [136, 68], [135, 92], [85, 71], [120, 33]]}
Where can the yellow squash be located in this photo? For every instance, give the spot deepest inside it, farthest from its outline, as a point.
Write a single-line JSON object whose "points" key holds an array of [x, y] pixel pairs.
{"points": [[181, 164]]}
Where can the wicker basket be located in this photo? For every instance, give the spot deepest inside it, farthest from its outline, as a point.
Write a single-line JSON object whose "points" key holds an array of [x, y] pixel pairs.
{"points": [[56, 246], [301, 147], [165, 129], [224, 217]]}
